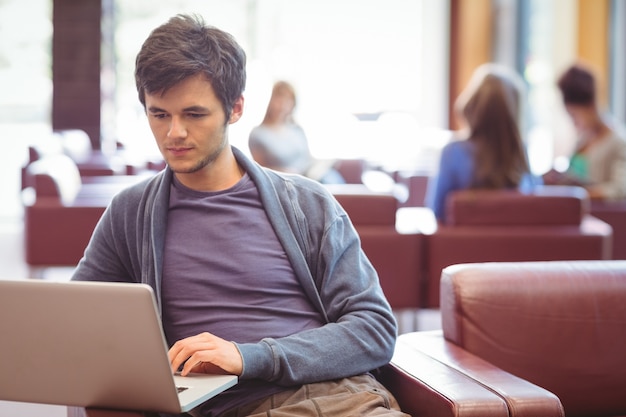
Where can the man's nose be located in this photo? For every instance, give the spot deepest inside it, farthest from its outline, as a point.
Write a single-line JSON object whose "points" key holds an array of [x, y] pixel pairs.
{"points": [[177, 128]]}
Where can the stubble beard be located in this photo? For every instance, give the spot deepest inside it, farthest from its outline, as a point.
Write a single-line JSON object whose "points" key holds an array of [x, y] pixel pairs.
{"points": [[206, 161]]}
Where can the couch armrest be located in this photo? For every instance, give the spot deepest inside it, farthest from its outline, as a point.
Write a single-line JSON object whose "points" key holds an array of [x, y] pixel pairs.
{"points": [[522, 398], [425, 387]]}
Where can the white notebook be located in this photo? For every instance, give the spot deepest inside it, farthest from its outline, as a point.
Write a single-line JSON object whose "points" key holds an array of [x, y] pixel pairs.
{"points": [[92, 344]]}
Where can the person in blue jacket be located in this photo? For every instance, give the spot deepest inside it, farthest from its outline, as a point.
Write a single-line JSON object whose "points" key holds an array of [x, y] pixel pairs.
{"points": [[257, 273], [488, 153]]}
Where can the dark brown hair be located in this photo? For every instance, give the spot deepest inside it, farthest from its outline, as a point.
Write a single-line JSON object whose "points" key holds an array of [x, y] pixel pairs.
{"points": [[578, 85], [186, 46]]}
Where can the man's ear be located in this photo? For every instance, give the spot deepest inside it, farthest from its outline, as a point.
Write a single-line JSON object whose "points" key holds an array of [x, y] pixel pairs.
{"points": [[237, 111]]}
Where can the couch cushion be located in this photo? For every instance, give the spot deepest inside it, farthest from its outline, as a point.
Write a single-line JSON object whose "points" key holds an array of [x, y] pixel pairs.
{"points": [[546, 205], [560, 325], [366, 207]]}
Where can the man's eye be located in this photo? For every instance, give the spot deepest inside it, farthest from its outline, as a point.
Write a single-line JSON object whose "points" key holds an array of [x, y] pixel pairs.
{"points": [[158, 115], [196, 115]]}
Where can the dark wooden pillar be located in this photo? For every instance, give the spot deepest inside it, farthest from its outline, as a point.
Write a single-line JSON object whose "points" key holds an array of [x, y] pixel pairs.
{"points": [[76, 66]]}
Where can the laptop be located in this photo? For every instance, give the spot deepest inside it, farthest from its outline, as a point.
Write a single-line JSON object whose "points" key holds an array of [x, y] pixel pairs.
{"points": [[92, 344]]}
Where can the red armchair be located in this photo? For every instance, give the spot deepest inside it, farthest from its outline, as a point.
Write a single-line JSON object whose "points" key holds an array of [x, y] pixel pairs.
{"points": [[397, 256], [553, 223], [613, 212], [546, 338], [61, 209]]}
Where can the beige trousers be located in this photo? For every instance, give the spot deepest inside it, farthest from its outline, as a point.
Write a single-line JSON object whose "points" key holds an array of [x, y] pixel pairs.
{"points": [[360, 395]]}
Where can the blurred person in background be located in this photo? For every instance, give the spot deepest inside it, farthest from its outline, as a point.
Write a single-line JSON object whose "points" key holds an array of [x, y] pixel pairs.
{"points": [[598, 162], [488, 153], [279, 143]]}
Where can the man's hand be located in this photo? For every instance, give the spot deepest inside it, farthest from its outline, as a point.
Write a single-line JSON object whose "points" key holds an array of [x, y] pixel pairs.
{"points": [[205, 353]]}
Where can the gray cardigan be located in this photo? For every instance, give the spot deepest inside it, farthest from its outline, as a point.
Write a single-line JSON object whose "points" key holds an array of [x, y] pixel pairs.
{"points": [[323, 248]]}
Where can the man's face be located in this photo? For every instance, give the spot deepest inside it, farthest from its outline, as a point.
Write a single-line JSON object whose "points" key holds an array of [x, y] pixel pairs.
{"points": [[189, 125]]}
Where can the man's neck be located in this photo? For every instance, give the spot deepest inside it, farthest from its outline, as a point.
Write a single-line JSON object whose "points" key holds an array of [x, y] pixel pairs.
{"points": [[221, 174]]}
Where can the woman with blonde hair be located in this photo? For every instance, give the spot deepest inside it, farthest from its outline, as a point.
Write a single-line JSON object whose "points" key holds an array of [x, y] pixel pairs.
{"points": [[489, 152], [280, 143]]}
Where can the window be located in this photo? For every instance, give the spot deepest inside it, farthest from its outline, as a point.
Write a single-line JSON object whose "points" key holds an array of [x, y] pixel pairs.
{"points": [[345, 58], [551, 47], [26, 85]]}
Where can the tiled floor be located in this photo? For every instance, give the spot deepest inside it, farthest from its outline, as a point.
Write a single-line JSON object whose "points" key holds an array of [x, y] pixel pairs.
{"points": [[12, 266]]}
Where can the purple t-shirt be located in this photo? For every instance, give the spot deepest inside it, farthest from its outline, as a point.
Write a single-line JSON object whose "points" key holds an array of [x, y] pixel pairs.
{"points": [[225, 272]]}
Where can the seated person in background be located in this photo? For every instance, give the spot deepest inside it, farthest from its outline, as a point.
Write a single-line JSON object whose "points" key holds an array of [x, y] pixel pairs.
{"points": [[257, 273], [599, 160], [489, 152], [280, 143]]}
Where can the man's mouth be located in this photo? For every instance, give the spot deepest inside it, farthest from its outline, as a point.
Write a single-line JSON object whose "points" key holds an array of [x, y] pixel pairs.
{"points": [[178, 150]]}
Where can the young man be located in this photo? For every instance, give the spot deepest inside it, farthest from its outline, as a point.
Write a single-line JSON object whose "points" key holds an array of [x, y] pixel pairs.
{"points": [[257, 273]]}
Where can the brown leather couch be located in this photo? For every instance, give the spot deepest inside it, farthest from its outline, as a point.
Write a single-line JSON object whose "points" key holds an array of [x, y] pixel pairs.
{"points": [[546, 338], [613, 212], [351, 170], [75, 143], [61, 209], [553, 223], [416, 183], [397, 256]]}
